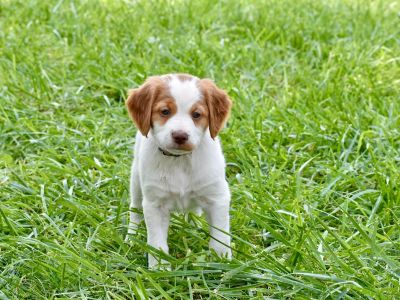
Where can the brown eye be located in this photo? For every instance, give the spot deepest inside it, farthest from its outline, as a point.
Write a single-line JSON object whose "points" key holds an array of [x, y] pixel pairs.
{"points": [[165, 112], [196, 115]]}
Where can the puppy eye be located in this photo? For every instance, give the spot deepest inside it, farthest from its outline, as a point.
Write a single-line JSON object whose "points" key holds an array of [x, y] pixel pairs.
{"points": [[165, 112], [196, 115]]}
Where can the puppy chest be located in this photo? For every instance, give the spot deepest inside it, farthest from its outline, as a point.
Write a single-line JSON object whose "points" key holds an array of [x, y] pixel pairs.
{"points": [[173, 190], [183, 202], [177, 190]]}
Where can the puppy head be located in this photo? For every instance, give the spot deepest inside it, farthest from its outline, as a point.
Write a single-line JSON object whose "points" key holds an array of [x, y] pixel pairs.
{"points": [[177, 110]]}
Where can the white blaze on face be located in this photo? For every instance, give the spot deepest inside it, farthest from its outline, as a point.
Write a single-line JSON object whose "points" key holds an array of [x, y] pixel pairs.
{"points": [[185, 94]]}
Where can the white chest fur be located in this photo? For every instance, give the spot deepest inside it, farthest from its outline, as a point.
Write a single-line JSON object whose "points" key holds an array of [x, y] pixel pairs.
{"points": [[184, 182]]}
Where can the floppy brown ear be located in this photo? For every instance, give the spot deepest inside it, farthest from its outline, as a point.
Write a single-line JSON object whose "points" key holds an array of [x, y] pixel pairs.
{"points": [[140, 102], [218, 103]]}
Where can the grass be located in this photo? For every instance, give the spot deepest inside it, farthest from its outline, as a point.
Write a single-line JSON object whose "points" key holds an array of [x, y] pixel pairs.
{"points": [[313, 147]]}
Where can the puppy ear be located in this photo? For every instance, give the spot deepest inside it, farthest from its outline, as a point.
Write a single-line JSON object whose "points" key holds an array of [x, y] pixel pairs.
{"points": [[140, 102], [218, 103]]}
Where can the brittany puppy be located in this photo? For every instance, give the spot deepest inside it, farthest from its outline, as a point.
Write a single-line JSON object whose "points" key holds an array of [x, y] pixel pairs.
{"points": [[178, 162]]}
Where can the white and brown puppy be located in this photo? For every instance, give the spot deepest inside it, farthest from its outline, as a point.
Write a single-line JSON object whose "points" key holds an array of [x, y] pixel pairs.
{"points": [[178, 160]]}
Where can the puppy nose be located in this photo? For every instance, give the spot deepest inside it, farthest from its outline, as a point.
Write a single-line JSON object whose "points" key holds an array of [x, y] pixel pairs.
{"points": [[180, 137]]}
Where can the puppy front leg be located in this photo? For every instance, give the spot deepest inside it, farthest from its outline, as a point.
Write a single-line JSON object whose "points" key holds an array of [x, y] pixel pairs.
{"points": [[157, 222], [218, 219], [136, 201]]}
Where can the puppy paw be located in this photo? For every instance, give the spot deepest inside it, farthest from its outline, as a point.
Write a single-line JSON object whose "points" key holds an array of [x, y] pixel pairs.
{"points": [[221, 249], [127, 239], [132, 230], [157, 264]]}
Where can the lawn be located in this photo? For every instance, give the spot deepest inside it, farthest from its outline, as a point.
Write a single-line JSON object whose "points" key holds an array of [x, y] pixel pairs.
{"points": [[312, 147]]}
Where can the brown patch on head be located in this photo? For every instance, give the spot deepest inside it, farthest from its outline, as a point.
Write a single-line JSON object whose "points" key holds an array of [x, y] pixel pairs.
{"points": [[184, 77], [160, 107], [218, 104], [141, 100], [200, 114]]}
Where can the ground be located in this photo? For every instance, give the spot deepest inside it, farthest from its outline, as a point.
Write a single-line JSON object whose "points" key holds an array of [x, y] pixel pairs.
{"points": [[312, 147]]}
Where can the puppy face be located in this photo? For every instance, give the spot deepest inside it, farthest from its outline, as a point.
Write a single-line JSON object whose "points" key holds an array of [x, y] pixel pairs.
{"points": [[177, 110]]}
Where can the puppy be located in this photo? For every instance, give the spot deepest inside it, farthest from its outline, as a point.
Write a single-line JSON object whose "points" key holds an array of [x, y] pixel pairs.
{"points": [[178, 162]]}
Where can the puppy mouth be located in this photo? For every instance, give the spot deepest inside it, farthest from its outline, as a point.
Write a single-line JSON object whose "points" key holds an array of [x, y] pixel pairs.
{"points": [[180, 148]]}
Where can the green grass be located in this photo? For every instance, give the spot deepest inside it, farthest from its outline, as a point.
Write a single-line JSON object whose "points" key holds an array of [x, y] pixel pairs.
{"points": [[313, 147]]}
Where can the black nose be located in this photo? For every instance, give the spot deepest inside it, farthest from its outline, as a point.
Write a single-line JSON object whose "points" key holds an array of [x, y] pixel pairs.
{"points": [[180, 137]]}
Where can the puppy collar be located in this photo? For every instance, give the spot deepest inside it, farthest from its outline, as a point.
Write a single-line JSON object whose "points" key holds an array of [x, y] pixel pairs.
{"points": [[166, 153]]}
